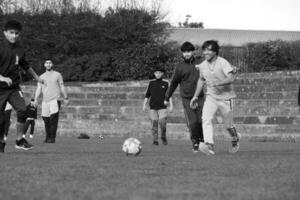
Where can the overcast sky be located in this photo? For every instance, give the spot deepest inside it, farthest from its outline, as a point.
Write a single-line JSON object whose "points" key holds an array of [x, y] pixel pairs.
{"points": [[237, 14]]}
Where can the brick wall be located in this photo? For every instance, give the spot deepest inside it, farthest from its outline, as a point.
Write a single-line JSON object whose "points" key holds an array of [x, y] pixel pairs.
{"points": [[265, 109]]}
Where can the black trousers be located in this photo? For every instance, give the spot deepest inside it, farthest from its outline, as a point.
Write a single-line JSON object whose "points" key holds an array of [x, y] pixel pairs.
{"points": [[51, 124], [194, 119], [30, 123], [5, 123]]}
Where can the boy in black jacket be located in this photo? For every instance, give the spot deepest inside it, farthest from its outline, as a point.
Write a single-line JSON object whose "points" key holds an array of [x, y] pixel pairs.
{"points": [[186, 75], [12, 57], [156, 92], [31, 112]]}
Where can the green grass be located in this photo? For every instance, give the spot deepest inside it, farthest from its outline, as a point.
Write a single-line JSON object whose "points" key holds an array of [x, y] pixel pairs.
{"points": [[94, 169]]}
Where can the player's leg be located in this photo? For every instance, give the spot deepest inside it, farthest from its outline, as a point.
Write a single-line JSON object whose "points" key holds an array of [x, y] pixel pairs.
{"points": [[3, 100], [7, 116], [18, 103], [154, 125], [32, 122], [54, 116], [47, 129], [194, 125], [209, 109], [27, 124], [162, 121], [226, 108]]}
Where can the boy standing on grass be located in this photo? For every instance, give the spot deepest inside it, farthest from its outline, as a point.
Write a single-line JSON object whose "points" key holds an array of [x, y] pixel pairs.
{"points": [[218, 75], [158, 110], [12, 57], [51, 90], [186, 75], [31, 112]]}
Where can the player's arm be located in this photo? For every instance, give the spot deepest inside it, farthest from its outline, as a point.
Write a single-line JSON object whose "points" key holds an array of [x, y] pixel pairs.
{"points": [[35, 76], [198, 90], [63, 89], [37, 93], [145, 104], [175, 80], [171, 105]]}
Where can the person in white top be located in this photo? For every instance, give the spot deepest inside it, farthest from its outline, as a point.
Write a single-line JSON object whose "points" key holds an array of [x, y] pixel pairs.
{"points": [[218, 75], [51, 90]]}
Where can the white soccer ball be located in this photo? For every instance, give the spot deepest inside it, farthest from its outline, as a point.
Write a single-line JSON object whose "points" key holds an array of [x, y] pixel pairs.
{"points": [[132, 146]]}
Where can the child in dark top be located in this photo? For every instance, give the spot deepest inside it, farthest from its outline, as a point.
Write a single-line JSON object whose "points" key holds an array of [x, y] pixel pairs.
{"points": [[12, 57], [158, 110], [31, 112]]}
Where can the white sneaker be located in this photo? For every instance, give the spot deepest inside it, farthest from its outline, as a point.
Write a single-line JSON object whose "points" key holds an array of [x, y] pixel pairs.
{"points": [[206, 149], [235, 144], [30, 136]]}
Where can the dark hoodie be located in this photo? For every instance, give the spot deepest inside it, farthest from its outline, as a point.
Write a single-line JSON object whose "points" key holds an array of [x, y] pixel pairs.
{"points": [[186, 75], [9, 65]]}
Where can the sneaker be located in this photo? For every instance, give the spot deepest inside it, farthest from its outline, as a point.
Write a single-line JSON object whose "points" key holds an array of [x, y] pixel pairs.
{"points": [[206, 148], [52, 140], [195, 147], [155, 143], [47, 140], [2, 146], [235, 143], [23, 144], [23, 136], [30, 136], [164, 141]]}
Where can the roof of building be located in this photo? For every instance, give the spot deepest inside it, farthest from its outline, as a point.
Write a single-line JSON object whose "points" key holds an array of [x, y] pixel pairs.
{"points": [[229, 37]]}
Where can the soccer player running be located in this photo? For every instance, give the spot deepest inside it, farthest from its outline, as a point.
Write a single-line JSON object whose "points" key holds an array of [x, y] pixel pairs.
{"points": [[51, 90], [218, 75], [12, 59], [158, 112], [186, 75]]}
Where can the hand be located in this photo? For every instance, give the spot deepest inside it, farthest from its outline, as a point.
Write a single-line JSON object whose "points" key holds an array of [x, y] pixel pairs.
{"points": [[166, 102], [35, 103], [6, 80], [193, 103], [66, 101]]}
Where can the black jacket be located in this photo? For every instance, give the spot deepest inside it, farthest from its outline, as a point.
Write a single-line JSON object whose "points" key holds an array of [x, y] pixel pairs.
{"points": [[156, 91], [186, 75], [12, 57]]}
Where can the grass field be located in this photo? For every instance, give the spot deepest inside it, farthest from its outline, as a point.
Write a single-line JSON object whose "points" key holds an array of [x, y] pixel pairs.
{"points": [[97, 169]]}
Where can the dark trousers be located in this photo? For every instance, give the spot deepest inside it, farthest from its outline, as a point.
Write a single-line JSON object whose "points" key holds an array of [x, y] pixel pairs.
{"points": [[194, 119], [51, 124], [5, 123], [15, 98], [30, 123]]}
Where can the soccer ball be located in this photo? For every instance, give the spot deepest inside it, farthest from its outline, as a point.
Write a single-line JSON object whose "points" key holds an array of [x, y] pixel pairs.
{"points": [[132, 146]]}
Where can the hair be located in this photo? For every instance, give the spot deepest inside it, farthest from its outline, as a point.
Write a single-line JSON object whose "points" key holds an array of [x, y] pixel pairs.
{"points": [[32, 99], [187, 46], [13, 24], [159, 69], [213, 44]]}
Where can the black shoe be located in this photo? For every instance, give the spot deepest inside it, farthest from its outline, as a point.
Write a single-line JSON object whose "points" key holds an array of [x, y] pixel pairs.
{"points": [[47, 140], [164, 141], [2, 146], [52, 140], [155, 143], [23, 144]]}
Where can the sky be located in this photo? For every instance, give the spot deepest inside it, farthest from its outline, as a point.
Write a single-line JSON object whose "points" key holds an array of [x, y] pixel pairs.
{"points": [[236, 14]]}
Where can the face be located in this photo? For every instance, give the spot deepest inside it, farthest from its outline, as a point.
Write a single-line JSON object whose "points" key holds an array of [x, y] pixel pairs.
{"points": [[158, 74], [48, 65], [187, 54], [209, 54], [12, 35]]}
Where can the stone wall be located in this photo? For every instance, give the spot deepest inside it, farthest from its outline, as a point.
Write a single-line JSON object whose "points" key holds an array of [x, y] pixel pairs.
{"points": [[266, 108]]}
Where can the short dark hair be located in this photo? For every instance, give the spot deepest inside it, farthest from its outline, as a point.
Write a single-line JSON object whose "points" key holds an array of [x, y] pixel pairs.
{"points": [[187, 46], [213, 44], [159, 69], [13, 24]]}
